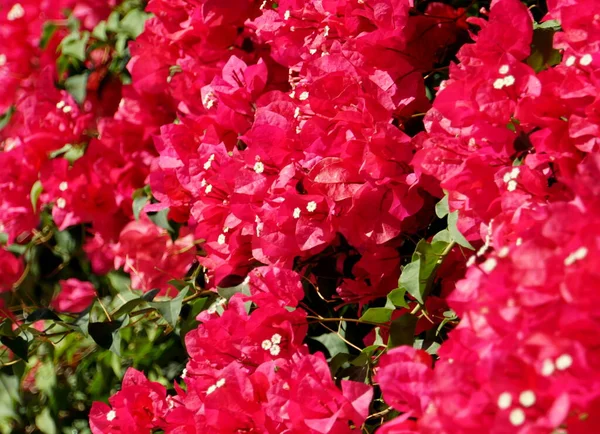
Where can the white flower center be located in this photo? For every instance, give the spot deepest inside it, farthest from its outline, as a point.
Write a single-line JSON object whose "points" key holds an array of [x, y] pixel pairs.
{"points": [[577, 255], [547, 368], [297, 212], [208, 188], [15, 12], [2, 59], [504, 400], [221, 239], [504, 69], [61, 202], [527, 398], [110, 416], [311, 206], [517, 417], [63, 186], [564, 362], [586, 60], [303, 96], [275, 350], [259, 167], [571, 61]]}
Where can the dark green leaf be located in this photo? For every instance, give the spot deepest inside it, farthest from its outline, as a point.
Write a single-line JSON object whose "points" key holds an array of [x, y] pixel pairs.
{"points": [[47, 33], [402, 330], [17, 345], [103, 333], [543, 54], [43, 313]]}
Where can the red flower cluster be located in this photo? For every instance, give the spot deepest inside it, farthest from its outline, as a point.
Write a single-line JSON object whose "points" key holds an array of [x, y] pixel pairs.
{"points": [[248, 372]]}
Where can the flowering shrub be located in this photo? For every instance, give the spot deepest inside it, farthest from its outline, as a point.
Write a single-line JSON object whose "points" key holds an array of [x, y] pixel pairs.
{"points": [[342, 216]]}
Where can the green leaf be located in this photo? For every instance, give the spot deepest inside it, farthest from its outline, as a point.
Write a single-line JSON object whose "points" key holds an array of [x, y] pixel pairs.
{"points": [[106, 334], [442, 208], [396, 297], [169, 310], [410, 280], [74, 45], [76, 85], [132, 304], [45, 378], [5, 117], [47, 33], [17, 345], [455, 233], [138, 205], [402, 331], [334, 344], [379, 315], [133, 22], [45, 422], [99, 31], [227, 293], [34, 195], [543, 54]]}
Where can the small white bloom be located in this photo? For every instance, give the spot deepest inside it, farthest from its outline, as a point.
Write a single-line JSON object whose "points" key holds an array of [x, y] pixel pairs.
{"points": [[275, 350], [527, 398], [184, 373], [303, 96], [276, 338], [509, 80], [575, 256], [211, 389], [297, 113], [266, 344], [564, 362], [220, 382], [326, 31], [311, 206], [519, 241], [503, 252], [517, 417], [259, 167], [504, 400], [67, 109], [312, 50], [285, 386], [2, 59], [504, 69], [110, 416], [15, 12], [498, 83], [61, 202], [286, 15], [208, 189], [570, 61], [63, 186], [221, 239], [297, 212], [489, 265], [586, 60], [547, 368], [512, 185], [514, 173], [262, 6]]}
